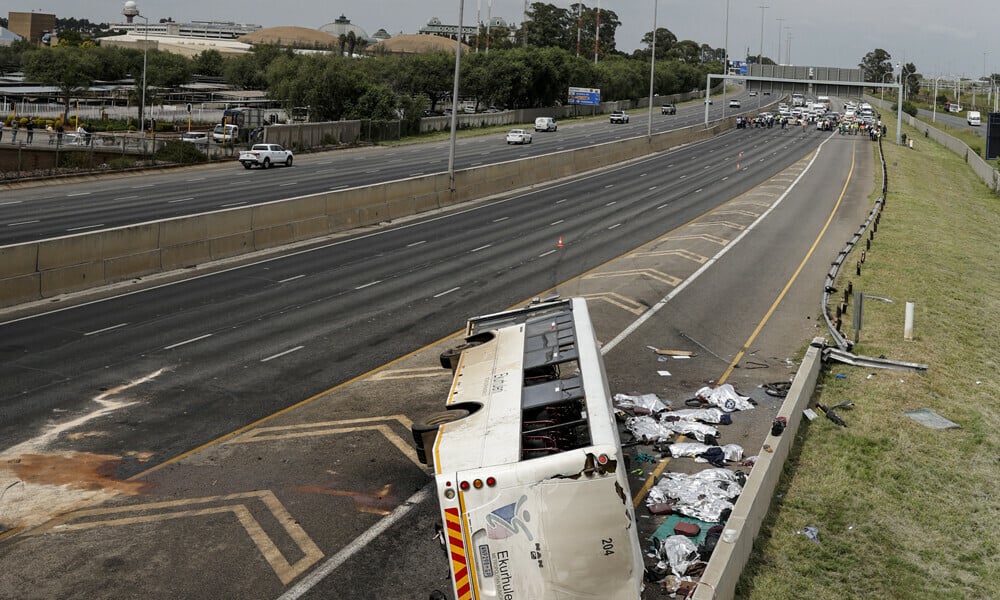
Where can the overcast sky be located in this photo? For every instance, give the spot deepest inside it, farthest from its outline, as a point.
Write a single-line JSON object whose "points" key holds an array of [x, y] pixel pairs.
{"points": [[939, 37]]}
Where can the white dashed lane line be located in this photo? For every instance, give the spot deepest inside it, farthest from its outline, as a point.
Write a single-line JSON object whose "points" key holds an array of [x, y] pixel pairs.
{"points": [[446, 292], [232, 204], [180, 200], [369, 284], [185, 342], [280, 354], [22, 223], [416, 243], [82, 227], [287, 279], [105, 329]]}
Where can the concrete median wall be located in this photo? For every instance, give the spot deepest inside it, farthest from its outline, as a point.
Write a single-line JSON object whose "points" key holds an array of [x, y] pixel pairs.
{"points": [[39, 270]]}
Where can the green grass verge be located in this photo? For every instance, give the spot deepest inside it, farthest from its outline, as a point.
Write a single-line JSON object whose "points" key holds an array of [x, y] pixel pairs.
{"points": [[904, 511]]}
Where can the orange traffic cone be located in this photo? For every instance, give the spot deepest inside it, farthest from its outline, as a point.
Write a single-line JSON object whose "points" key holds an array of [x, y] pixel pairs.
{"points": [[560, 244]]}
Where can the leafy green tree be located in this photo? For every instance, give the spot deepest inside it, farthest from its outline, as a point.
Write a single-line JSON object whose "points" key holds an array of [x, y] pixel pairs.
{"points": [[911, 81], [70, 37], [378, 103], [429, 74], [11, 56], [70, 69], [665, 40], [248, 70], [876, 65], [550, 26], [209, 63]]}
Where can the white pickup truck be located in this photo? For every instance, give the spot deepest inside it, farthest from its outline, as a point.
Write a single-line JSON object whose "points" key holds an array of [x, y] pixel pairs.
{"points": [[265, 156]]}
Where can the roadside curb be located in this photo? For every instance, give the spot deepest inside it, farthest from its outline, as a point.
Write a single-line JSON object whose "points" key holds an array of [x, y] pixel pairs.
{"points": [[736, 544]]}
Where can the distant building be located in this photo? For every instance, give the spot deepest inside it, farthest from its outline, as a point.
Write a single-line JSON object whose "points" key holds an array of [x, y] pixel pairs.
{"points": [[436, 27], [31, 26], [381, 35], [202, 30]]}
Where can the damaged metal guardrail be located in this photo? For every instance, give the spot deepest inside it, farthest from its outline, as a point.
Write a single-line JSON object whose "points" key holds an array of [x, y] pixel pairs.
{"points": [[842, 349]]}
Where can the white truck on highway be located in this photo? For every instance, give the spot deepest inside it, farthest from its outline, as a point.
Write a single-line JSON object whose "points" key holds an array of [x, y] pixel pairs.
{"points": [[265, 156]]}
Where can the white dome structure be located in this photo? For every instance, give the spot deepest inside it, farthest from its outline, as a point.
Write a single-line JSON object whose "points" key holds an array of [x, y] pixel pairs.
{"points": [[343, 26]]}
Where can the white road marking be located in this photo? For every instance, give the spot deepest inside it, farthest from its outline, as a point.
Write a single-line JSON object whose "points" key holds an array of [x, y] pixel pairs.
{"points": [[663, 206], [500, 219], [77, 194], [725, 178], [288, 183], [698, 190], [232, 204], [21, 223], [307, 583], [612, 202], [683, 176], [615, 226], [416, 243], [373, 171], [339, 187], [287, 279], [416, 174], [280, 354], [85, 227], [561, 201], [447, 292], [557, 222], [652, 188], [361, 287], [196, 179], [140, 187], [190, 341], [480, 248], [610, 185], [180, 200], [105, 329], [610, 345], [9, 203], [544, 254]]}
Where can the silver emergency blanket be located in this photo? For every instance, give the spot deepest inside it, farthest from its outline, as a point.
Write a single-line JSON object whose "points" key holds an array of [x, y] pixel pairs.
{"points": [[732, 452], [650, 403], [691, 429], [705, 415], [647, 429], [651, 430], [725, 397], [704, 495], [678, 552]]}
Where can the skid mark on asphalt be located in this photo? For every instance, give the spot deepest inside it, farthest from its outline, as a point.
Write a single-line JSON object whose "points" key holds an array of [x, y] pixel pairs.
{"points": [[239, 505]]}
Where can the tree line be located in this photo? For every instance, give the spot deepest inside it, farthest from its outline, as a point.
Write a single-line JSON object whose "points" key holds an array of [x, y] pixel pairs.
{"points": [[533, 71]]}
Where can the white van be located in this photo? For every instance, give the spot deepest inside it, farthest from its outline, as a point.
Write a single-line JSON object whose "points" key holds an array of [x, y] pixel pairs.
{"points": [[973, 118], [229, 134], [545, 124]]}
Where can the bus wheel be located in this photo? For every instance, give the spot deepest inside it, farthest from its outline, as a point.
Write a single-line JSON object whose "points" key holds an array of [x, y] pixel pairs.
{"points": [[425, 430]]}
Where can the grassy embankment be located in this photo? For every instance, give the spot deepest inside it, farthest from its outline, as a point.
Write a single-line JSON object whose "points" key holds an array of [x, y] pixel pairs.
{"points": [[904, 511]]}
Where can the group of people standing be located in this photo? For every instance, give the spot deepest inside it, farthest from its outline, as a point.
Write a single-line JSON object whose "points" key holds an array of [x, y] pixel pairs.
{"points": [[55, 134]]}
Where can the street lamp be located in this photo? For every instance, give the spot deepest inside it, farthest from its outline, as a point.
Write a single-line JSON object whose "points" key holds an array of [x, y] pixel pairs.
{"points": [[884, 75], [454, 96], [652, 72], [145, 50]]}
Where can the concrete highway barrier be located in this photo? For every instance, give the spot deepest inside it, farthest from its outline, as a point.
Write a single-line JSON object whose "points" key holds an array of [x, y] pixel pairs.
{"points": [[45, 269]]}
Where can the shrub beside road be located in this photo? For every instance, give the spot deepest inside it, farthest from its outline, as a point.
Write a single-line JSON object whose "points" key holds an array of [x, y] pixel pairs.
{"points": [[903, 510]]}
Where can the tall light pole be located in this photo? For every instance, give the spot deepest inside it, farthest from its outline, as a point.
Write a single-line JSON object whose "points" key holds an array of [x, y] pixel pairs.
{"points": [[884, 75], [454, 97], [760, 56], [652, 71], [145, 50], [777, 57], [597, 31], [725, 62]]}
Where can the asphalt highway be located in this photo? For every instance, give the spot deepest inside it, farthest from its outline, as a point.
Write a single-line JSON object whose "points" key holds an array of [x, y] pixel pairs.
{"points": [[103, 390], [226, 349], [30, 213]]}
